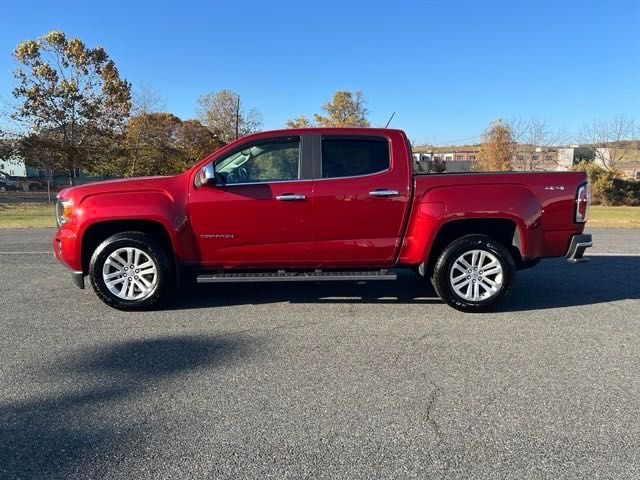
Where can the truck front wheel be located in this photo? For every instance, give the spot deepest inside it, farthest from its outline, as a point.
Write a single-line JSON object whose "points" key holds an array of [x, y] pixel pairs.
{"points": [[473, 273], [130, 271]]}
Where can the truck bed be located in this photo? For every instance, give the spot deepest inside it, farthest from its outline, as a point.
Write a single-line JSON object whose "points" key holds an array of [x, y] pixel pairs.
{"points": [[540, 204]]}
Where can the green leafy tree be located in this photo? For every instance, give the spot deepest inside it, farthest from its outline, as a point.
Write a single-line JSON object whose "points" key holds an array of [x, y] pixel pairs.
{"points": [[607, 188], [72, 101], [222, 114], [346, 109]]}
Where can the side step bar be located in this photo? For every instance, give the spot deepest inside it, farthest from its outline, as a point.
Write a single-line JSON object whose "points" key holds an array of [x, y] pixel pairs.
{"points": [[282, 276]]}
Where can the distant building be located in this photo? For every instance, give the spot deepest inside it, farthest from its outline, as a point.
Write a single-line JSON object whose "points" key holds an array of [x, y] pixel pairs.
{"points": [[573, 154], [601, 156], [13, 166], [459, 166], [566, 157], [631, 170], [526, 158], [456, 159]]}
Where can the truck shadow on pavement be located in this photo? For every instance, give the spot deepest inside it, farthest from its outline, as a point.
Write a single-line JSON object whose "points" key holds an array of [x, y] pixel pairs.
{"points": [[408, 288], [554, 283], [72, 434]]}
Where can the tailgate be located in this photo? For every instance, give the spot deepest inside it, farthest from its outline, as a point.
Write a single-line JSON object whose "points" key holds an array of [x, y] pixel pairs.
{"points": [[556, 193]]}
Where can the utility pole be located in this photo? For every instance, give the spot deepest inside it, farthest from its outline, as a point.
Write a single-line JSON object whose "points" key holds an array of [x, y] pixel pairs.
{"points": [[238, 118]]}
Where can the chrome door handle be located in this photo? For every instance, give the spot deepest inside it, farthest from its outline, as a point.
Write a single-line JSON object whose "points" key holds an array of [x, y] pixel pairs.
{"points": [[383, 192], [290, 197]]}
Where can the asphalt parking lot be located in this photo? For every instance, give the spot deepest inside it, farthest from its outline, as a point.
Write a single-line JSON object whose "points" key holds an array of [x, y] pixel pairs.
{"points": [[322, 380]]}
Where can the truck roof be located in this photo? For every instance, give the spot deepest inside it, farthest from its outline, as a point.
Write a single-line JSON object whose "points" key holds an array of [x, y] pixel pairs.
{"points": [[330, 130]]}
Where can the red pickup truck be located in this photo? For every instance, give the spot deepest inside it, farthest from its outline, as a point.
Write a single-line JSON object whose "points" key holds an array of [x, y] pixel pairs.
{"points": [[318, 204]]}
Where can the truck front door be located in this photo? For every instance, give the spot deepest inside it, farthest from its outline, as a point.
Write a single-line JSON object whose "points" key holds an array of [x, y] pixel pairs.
{"points": [[258, 211]]}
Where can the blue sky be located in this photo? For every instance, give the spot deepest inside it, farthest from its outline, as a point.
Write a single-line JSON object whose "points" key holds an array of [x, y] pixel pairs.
{"points": [[446, 67]]}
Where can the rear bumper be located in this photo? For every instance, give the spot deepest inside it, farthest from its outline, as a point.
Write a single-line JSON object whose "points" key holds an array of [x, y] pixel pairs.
{"points": [[579, 243]]}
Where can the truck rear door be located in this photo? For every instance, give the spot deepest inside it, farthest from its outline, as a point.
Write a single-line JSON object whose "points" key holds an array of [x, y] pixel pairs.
{"points": [[360, 197]]}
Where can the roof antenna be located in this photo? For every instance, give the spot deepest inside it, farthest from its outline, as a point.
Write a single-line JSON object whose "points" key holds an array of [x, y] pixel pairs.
{"points": [[390, 118]]}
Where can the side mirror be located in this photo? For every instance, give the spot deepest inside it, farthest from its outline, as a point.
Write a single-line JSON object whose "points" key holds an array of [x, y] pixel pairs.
{"points": [[206, 175]]}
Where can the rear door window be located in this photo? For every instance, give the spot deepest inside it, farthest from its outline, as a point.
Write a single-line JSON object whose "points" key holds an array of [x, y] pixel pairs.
{"points": [[350, 157]]}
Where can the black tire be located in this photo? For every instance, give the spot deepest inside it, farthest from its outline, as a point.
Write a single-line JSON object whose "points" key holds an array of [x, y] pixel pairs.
{"points": [[151, 249], [442, 271]]}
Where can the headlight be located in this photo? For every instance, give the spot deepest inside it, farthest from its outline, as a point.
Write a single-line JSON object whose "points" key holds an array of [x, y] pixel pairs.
{"points": [[64, 209]]}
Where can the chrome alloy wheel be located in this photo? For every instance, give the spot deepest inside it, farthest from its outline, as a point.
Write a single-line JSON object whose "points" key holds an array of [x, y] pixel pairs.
{"points": [[130, 273], [476, 275]]}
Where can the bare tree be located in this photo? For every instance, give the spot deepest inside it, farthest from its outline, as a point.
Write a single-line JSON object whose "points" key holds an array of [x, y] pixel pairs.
{"points": [[541, 134], [612, 140], [519, 128], [535, 137], [221, 113], [147, 100]]}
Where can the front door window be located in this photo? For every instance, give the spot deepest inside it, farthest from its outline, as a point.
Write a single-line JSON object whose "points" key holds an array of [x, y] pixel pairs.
{"points": [[271, 161]]}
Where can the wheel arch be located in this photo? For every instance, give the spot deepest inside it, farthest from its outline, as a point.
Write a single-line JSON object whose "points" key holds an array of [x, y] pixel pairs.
{"points": [[504, 230], [486, 293], [98, 232]]}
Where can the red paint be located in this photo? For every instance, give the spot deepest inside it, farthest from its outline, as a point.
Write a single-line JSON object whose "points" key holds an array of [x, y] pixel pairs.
{"points": [[337, 225], [244, 225], [353, 228]]}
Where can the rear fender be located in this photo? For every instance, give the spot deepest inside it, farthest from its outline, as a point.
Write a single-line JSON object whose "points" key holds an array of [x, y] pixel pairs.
{"points": [[441, 205]]}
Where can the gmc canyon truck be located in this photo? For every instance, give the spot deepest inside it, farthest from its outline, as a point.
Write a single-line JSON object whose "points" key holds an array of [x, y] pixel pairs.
{"points": [[318, 204]]}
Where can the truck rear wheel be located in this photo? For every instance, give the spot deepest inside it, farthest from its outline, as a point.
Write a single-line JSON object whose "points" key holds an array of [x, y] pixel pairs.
{"points": [[130, 271], [473, 273]]}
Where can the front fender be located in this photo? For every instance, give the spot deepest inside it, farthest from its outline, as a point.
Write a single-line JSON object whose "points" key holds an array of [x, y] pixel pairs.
{"points": [[138, 205]]}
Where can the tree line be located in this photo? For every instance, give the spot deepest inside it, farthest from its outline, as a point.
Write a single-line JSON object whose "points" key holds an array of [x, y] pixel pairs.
{"points": [[74, 110], [609, 143]]}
